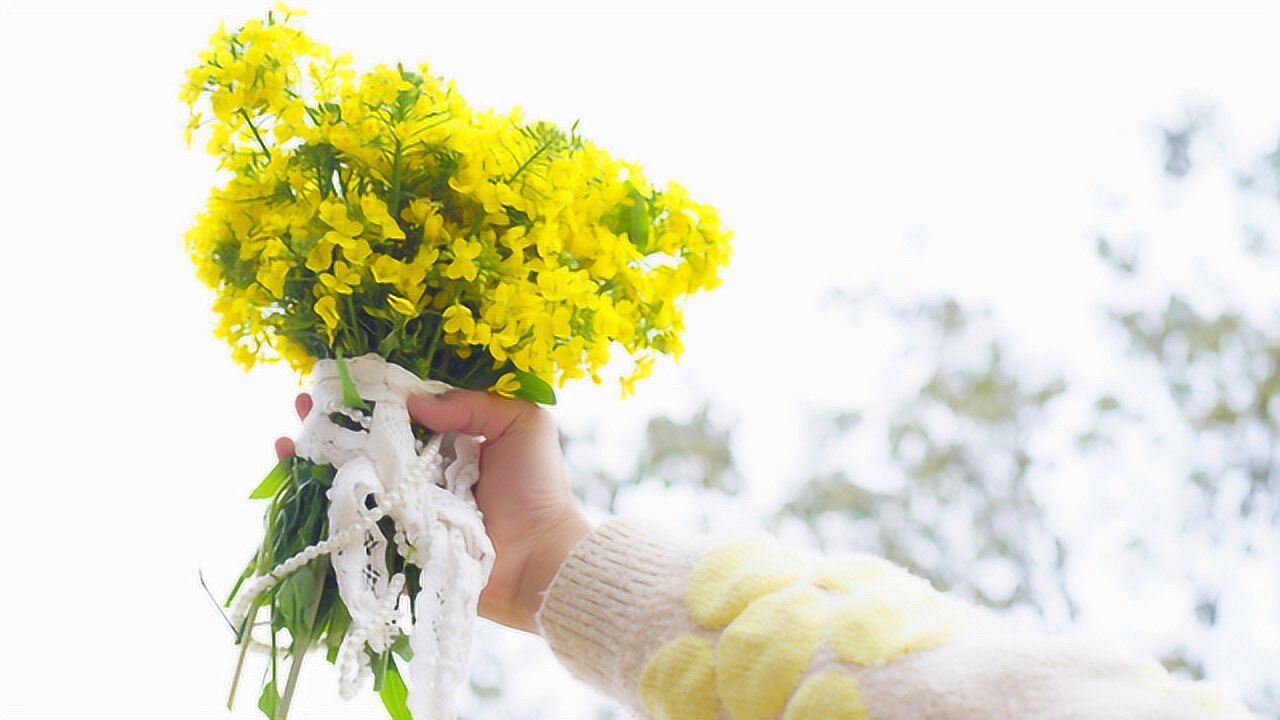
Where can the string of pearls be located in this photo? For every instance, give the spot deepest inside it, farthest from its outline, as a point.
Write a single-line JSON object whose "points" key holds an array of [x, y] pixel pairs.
{"points": [[434, 514], [353, 662], [353, 535]]}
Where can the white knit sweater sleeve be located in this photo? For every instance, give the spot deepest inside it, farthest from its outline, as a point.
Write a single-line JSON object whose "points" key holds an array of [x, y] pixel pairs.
{"points": [[701, 630]]}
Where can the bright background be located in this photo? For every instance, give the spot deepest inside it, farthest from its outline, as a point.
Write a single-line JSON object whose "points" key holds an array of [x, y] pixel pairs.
{"points": [[976, 153]]}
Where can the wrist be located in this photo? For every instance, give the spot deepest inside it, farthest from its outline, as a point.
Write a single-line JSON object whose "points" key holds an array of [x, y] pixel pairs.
{"points": [[544, 561]]}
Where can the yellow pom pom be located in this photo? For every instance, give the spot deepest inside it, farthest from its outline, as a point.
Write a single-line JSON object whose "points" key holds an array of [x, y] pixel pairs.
{"points": [[729, 578], [828, 696], [890, 616], [679, 681], [845, 572], [763, 653]]}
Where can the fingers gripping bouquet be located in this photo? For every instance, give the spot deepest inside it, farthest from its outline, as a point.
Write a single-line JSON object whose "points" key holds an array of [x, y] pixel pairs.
{"points": [[381, 236]]}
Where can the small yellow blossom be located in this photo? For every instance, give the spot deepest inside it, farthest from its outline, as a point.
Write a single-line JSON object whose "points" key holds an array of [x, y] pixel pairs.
{"points": [[334, 214], [386, 269], [327, 308], [272, 276], [506, 386], [357, 251], [288, 11], [342, 280], [244, 357], [643, 368], [320, 257], [464, 254], [402, 305], [458, 319], [423, 213], [375, 211]]}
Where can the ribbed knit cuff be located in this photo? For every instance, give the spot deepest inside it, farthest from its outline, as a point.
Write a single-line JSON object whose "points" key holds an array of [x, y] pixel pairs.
{"points": [[617, 596]]}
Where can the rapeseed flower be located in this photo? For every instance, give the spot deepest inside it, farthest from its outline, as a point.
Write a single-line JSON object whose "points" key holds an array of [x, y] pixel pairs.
{"points": [[380, 212]]}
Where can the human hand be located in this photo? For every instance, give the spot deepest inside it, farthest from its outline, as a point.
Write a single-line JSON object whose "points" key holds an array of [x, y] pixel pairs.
{"points": [[529, 512]]}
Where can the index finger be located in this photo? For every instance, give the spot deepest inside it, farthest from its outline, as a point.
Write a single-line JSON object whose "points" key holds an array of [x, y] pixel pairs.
{"points": [[471, 412]]}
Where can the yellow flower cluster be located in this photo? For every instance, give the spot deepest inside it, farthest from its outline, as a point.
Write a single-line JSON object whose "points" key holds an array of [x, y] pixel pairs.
{"points": [[381, 213]]}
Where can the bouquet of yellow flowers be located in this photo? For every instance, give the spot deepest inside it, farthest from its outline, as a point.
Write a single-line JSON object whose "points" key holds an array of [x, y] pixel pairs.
{"points": [[381, 236]]}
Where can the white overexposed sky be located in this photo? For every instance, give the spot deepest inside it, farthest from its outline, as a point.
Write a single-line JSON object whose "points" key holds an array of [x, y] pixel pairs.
{"points": [[972, 152]]}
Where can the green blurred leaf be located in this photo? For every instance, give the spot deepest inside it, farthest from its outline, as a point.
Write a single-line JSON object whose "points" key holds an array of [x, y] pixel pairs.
{"points": [[350, 397], [269, 701], [389, 343], [400, 646], [248, 571], [322, 475], [272, 482], [378, 664], [534, 388], [339, 621], [640, 220], [394, 693], [294, 597]]}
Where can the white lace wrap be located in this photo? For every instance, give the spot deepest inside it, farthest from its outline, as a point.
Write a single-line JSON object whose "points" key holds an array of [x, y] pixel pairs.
{"points": [[382, 471]]}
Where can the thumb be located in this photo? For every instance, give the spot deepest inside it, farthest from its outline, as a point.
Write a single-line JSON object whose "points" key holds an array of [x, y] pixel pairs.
{"points": [[471, 412]]}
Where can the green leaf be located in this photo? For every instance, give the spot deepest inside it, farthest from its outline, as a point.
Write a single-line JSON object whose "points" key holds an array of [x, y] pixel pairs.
{"points": [[350, 397], [309, 531], [338, 624], [248, 572], [400, 646], [295, 596], [323, 475], [378, 664], [272, 482], [534, 388], [269, 701], [212, 599], [394, 694], [640, 219], [389, 343]]}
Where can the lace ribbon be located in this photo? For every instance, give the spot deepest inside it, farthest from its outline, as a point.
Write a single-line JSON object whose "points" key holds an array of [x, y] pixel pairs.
{"points": [[383, 471]]}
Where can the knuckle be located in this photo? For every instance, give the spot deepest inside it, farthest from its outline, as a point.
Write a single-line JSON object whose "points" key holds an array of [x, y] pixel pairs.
{"points": [[539, 417]]}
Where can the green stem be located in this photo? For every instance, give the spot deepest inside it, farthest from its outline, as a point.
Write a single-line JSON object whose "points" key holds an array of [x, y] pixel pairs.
{"points": [[301, 652], [395, 182], [431, 349], [246, 629], [354, 321], [256, 136], [244, 649], [543, 148], [275, 665]]}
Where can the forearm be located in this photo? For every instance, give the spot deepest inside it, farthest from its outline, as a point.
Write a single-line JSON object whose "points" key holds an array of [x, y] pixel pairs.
{"points": [[753, 630], [616, 598]]}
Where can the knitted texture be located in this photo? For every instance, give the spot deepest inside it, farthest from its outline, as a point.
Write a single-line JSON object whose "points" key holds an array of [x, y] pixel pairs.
{"points": [[621, 581], [750, 630]]}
